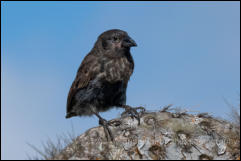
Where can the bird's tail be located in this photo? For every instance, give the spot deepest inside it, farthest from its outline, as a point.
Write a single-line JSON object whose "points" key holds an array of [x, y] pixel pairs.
{"points": [[68, 115]]}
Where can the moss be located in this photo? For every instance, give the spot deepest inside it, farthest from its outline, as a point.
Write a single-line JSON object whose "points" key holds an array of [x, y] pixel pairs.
{"points": [[206, 124], [183, 134], [156, 152], [204, 115], [205, 157], [78, 150], [105, 152], [180, 126], [150, 120], [233, 142]]}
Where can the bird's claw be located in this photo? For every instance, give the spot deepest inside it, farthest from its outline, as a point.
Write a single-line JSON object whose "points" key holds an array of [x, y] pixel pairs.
{"points": [[107, 130], [106, 124], [132, 111]]}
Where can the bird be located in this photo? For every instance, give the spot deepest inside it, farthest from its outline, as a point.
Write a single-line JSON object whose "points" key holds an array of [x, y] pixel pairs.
{"points": [[102, 78]]}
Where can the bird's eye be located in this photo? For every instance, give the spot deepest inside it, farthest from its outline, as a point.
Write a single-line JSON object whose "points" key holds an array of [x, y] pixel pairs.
{"points": [[115, 38]]}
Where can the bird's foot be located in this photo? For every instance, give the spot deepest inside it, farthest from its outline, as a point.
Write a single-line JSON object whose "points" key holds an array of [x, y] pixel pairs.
{"points": [[132, 111], [106, 124]]}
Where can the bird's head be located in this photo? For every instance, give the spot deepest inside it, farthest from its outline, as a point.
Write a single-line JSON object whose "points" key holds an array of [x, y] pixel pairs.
{"points": [[116, 40]]}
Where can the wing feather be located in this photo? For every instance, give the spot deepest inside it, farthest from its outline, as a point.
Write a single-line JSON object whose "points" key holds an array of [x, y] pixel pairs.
{"points": [[84, 75]]}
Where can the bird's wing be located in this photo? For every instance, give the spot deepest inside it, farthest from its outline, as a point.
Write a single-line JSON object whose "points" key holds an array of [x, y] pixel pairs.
{"points": [[84, 75]]}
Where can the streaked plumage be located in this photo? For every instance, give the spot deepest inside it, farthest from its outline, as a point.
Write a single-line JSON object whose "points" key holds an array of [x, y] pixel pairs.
{"points": [[103, 75]]}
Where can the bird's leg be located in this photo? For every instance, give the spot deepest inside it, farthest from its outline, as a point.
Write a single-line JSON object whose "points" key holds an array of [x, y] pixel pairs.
{"points": [[106, 125], [132, 111]]}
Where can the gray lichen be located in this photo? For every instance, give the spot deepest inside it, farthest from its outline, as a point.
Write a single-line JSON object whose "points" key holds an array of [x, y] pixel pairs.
{"points": [[161, 135]]}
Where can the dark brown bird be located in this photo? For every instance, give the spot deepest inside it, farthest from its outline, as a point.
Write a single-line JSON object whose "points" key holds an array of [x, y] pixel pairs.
{"points": [[102, 78]]}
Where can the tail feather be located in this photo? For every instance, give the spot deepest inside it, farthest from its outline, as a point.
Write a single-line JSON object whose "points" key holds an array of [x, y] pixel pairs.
{"points": [[68, 115]]}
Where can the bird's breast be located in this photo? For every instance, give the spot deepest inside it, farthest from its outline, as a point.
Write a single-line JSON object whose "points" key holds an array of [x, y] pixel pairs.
{"points": [[117, 70]]}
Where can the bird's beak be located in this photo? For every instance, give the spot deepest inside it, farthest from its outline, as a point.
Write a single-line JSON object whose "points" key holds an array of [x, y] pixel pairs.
{"points": [[129, 42]]}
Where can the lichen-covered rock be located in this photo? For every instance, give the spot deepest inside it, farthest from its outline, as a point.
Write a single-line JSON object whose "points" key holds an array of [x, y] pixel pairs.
{"points": [[160, 135]]}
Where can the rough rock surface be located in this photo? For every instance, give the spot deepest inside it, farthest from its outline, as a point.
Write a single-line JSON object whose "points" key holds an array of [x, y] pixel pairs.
{"points": [[161, 135]]}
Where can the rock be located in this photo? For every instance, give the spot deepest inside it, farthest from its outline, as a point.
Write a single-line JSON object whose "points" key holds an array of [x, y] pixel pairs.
{"points": [[161, 135]]}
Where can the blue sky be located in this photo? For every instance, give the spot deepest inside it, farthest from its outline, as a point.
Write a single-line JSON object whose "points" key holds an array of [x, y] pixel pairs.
{"points": [[188, 55]]}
